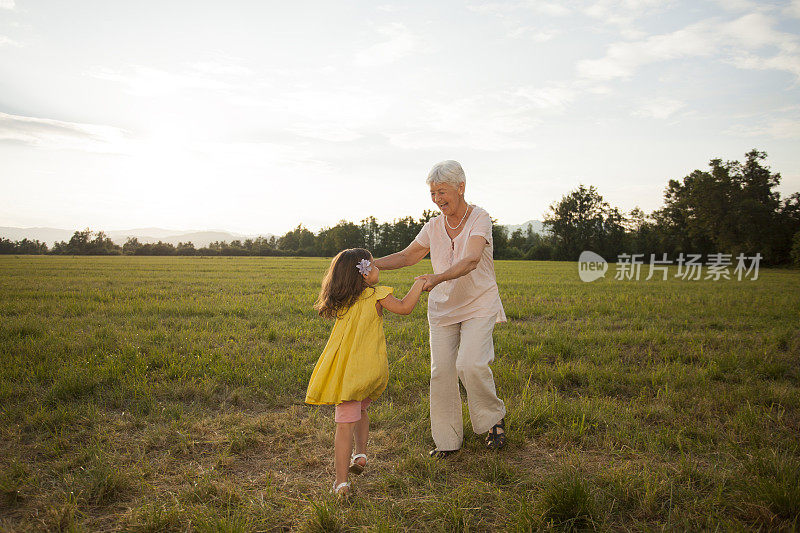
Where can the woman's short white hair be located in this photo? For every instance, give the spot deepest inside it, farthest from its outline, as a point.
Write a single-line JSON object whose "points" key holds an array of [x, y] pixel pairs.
{"points": [[447, 172]]}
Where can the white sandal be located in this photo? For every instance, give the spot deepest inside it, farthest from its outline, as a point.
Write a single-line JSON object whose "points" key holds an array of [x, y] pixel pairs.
{"points": [[342, 489], [356, 468]]}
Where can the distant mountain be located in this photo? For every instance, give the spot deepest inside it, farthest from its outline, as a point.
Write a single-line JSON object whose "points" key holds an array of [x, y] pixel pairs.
{"points": [[145, 235], [204, 238], [537, 225], [198, 238], [46, 235]]}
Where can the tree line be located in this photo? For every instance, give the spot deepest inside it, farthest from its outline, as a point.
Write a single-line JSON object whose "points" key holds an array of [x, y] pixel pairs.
{"points": [[380, 238], [730, 208]]}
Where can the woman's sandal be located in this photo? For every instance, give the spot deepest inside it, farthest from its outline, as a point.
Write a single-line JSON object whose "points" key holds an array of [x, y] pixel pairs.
{"points": [[495, 440], [442, 454], [357, 468], [342, 490]]}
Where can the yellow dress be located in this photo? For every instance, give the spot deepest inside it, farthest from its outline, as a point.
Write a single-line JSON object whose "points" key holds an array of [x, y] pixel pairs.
{"points": [[354, 364]]}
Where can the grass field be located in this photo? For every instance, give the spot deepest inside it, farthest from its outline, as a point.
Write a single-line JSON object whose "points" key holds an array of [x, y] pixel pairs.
{"points": [[166, 394]]}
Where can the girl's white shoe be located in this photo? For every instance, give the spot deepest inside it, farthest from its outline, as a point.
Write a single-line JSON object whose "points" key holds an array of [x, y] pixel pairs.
{"points": [[342, 489], [357, 468]]}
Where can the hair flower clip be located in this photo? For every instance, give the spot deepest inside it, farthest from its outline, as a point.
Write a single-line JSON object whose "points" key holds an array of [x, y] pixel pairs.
{"points": [[364, 266]]}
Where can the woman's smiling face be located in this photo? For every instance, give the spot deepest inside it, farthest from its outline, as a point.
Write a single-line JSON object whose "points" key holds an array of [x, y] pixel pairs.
{"points": [[447, 197]]}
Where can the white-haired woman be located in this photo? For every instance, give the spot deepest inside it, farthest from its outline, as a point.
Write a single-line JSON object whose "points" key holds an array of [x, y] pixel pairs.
{"points": [[463, 307]]}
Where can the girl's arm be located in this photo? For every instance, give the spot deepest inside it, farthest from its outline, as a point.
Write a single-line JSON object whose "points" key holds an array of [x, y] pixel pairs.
{"points": [[409, 301]]}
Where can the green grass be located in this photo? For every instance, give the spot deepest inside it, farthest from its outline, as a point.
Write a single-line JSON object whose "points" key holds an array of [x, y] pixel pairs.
{"points": [[166, 394]]}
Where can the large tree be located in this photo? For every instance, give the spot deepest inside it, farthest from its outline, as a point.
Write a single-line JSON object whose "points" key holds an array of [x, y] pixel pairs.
{"points": [[298, 241], [88, 242], [582, 220], [343, 235], [730, 208]]}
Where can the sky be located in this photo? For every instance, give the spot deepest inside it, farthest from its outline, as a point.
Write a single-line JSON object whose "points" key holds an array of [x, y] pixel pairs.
{"points": [[257, 116]]}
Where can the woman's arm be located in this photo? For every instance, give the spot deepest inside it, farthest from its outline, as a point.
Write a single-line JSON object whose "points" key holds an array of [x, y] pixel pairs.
{"points": [[472, 257], [409, 301], [411, 255]]}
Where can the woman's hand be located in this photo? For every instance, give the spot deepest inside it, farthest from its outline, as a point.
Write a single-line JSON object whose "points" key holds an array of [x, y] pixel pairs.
{"points": [[431, 281]]}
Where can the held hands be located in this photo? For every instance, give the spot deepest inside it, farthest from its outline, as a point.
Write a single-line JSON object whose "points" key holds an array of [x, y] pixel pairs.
{"points": [[430, 280]]}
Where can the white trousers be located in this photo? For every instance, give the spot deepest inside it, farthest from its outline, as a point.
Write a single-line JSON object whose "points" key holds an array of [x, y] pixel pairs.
{"points": [[462, 351]]}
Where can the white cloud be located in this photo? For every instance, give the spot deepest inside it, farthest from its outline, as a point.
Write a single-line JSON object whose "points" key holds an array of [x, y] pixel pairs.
{"points": [[399, 43], [737, 5], [281, 100], [554, 96], [511, 14], [5, 41], [162, 157], [325, 131], [49, 133], [488, 8], [506, 9], [787, 62], [390, 8], [753, 30], [793, 9], [6, 4], [339, 113], [659, 108], [733, 42], [599, 89], [624, 13], [221, 68], [494, 122], [783, 128], [533, 34], [555, 9], [623, 58], [148, 81]]}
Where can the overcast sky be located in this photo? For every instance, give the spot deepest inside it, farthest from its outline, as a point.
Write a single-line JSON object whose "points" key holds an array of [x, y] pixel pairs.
{"points": [[257, 116]]}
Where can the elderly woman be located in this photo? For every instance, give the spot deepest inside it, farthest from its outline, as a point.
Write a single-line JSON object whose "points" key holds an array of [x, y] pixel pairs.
{"points": [[463, 307]]}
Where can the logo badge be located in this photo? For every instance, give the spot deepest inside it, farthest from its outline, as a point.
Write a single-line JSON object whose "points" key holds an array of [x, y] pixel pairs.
{"points": [[591, 266]]}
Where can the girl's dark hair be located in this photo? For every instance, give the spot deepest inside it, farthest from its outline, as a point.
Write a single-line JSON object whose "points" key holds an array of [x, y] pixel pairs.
{"points": [[342, 284]]}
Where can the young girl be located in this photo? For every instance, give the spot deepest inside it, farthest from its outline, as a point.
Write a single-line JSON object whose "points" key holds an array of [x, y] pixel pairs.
{"points": [[353, 369]]}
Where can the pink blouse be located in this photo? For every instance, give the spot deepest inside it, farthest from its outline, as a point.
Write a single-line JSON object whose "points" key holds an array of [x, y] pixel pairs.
{"points": [[472, 295]]}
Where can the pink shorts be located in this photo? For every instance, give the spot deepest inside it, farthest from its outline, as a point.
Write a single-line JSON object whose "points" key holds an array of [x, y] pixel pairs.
{"points": [[350, 411]]}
